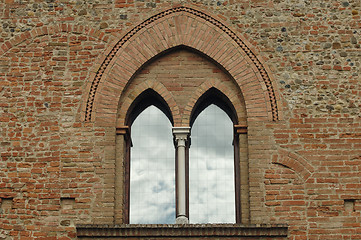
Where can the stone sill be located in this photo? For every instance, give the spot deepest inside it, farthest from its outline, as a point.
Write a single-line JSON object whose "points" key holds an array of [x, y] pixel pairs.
{"points": [[181, 230]]}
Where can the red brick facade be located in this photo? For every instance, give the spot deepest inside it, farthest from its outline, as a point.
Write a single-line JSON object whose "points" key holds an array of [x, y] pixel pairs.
{"points": [[70, 72]]}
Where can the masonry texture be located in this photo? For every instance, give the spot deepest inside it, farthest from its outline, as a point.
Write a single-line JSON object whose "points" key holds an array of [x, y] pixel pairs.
{"points": [[70, 71]]}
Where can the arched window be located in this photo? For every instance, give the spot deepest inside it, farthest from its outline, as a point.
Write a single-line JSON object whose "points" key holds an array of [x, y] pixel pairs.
{"points": [[194, 180], [214, 161], [150, 166], [152, 169], [211, 168]]}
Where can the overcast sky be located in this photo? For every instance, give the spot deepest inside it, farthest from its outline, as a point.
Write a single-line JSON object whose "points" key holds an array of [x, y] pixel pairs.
{"points": [[211, 169]]}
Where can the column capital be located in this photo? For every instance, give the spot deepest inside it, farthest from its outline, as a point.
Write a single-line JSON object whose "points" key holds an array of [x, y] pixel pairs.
{"points": [[181, 135], [180, 132]]}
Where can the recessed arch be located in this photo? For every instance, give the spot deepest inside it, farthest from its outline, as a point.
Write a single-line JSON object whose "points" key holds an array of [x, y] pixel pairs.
{"points": [[50, 30], [144, 100], [216, 97], [158, 95], [180, 26], [225, 95], [295, 162]]}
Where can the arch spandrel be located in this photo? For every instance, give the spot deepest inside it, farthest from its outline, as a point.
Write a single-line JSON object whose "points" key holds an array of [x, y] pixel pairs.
{"points": [[164, 31]]}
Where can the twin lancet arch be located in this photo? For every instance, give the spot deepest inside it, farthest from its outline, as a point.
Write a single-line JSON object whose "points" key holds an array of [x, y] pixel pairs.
{"points": [[155, 93]]}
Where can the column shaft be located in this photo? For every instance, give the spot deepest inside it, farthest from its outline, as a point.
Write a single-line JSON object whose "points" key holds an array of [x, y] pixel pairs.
{"points": [[181, 135]]}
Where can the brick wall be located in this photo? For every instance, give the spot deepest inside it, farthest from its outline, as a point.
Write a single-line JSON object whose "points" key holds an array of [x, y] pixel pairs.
{"points": [[57, 167]]}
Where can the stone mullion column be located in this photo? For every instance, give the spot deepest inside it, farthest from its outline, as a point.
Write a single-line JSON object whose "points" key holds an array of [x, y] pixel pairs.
{"points": [[241, 131], [121, 203], [181, 135]]}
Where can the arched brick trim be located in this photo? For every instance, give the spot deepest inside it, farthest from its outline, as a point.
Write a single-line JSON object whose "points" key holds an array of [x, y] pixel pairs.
{"points": [[159, 88], [176, 27], [294, 162], [50, 30], [202, 89]]}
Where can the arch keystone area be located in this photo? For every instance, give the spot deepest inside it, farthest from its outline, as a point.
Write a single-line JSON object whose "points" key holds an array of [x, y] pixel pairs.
{"points": [[180, 26]]}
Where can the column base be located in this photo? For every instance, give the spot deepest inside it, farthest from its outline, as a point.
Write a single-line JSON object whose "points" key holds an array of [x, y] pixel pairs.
{"points": [[181, 220]]}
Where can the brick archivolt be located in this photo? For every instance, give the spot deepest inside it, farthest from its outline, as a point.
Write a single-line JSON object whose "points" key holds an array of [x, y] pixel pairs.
{"points": [[202, 89], [130, 96], [181, 26]]}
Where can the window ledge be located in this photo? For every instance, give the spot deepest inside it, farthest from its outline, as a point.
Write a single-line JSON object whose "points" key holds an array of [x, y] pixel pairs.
{"points": [[177, 230]]}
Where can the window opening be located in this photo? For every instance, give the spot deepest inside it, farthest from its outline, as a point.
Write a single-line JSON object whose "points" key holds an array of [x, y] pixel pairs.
{"points": [[211, 168], [171, 180], [152, 169]]}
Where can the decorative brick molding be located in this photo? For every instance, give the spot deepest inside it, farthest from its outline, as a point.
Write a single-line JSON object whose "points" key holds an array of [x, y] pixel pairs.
{"points": [[180, 26], [159, 231]]}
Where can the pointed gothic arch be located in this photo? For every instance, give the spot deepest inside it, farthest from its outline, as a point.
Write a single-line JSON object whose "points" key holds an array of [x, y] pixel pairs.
{"points": [[180, 26], [156, 89], [221, 93]]}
